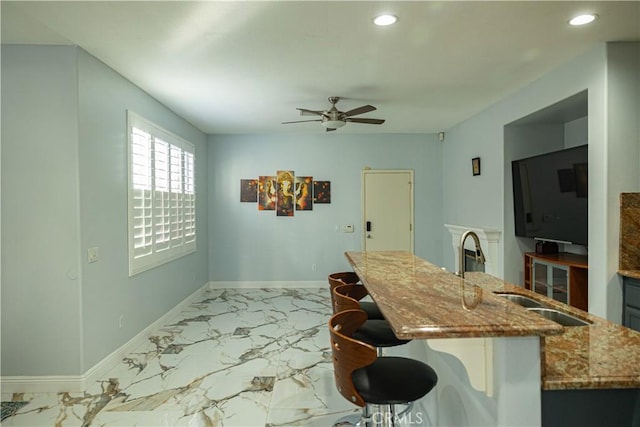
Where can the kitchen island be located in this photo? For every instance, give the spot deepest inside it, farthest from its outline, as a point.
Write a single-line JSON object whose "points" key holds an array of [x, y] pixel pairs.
{"points": [[525, 358]]}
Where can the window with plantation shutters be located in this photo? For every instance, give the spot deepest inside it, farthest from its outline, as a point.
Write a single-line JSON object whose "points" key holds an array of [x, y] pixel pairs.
{"points": [[162, 197]]}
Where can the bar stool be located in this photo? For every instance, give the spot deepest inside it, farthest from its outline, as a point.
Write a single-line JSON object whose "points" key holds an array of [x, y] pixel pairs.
{"points": [[365, 379], [375, 332], [347, 278]]}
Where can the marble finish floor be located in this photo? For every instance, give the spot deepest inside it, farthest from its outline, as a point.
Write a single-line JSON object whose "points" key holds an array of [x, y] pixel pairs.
{"points": [[235, 357]]}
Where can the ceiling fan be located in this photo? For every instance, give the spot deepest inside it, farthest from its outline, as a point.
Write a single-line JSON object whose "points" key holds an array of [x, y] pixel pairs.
{"points": [[333, 118]]}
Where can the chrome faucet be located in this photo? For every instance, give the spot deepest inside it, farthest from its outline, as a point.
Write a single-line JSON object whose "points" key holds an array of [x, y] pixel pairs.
{"points": [[480, 259]]}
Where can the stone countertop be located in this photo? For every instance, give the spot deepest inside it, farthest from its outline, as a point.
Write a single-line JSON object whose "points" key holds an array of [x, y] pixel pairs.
{"points": [[629, 256], [432, 303], [601, 355], [420, 300], [634, 274]]}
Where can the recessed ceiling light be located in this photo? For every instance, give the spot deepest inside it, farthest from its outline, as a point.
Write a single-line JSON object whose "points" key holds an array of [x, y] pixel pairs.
{"points": [[583, 19], [384, 20]]}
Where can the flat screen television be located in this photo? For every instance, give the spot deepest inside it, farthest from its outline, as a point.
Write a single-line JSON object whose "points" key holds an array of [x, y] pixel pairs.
{"points": [[550, 198]]}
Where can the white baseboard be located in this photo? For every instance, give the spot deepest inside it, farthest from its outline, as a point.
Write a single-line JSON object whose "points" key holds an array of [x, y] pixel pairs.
{"points": [[79, 383], [42, 384], [269, 285]]}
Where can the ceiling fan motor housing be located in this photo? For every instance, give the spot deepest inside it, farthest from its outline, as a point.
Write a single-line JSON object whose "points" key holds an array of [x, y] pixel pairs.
{"points": [[335, 115]]}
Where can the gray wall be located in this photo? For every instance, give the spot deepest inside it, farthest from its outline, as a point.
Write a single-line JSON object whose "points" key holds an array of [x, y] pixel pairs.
{"points": [[41, 306], [622, 161], [64, 190], [613, 147], [251, 245], [107, 291]]}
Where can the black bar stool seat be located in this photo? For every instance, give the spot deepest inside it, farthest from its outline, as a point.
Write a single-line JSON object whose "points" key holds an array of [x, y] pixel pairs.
{"points": [[394, 381], [375, 332], [372, 310], [348, 278]]}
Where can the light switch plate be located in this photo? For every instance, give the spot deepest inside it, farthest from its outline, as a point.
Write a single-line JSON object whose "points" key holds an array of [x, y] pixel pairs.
{"points": [[92, 254]]}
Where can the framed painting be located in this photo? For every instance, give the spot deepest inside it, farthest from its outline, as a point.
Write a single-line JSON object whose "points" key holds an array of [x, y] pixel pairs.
{"points": [[475, 166], [267, 193], [304, 192], [285, 193], [248, 190], [322, 191]]}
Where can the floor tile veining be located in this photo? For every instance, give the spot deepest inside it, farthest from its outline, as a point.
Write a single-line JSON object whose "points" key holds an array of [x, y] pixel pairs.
{"points": [[235, 357]]}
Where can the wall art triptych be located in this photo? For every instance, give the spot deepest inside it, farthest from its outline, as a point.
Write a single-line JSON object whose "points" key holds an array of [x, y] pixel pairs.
{"points": [[285, 192]]}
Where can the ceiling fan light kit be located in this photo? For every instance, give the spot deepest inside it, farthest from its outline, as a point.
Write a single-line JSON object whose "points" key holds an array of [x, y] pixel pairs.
{"points": [[333, 118], [333, 124]]}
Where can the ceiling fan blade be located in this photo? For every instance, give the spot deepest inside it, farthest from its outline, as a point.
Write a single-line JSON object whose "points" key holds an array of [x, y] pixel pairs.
{"points": [[302, 121], [367, 121], [360, 110], [330, 129], [305, 112]]}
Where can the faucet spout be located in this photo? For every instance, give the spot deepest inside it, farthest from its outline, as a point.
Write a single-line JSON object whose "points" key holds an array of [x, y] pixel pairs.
{"points": [[479, 256]]}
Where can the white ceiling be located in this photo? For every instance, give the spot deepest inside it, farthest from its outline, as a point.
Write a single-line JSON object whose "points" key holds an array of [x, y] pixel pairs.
{"points": [[244, 67]]}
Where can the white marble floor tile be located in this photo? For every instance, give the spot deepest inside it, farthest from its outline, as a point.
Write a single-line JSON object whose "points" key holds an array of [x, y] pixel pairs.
{"points": [[293, 417], [236, 357], [49, 409]]}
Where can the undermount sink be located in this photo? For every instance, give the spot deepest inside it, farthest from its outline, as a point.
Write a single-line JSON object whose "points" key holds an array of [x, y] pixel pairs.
{"points": [[559, 317], [521, 300], [537, 307]]}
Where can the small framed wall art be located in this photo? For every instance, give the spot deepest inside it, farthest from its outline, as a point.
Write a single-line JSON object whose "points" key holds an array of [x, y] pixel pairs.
{"points": [[304, 193], [267, 193], [475, 166], [322, 191], [248, 190]]}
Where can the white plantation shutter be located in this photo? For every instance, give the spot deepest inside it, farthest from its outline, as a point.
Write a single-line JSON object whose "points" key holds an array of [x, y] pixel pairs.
{"points": [[177, 195], [140, 221], [162, 220], [162, 198], [189, 199]]}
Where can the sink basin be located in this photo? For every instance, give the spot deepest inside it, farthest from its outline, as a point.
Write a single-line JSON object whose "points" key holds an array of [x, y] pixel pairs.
{"points": [[521, 300], [559, 317]]}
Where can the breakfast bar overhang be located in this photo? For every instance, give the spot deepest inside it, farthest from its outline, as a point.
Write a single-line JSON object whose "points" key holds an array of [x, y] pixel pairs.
{"points": [[420, 300]]}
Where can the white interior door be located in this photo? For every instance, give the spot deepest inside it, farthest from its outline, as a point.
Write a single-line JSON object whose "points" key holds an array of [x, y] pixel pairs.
{"points": [[387, 207]]}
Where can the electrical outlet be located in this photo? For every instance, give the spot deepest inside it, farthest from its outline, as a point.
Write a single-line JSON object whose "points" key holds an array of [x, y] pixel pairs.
{"points": [[121, 321], [314, 267]]}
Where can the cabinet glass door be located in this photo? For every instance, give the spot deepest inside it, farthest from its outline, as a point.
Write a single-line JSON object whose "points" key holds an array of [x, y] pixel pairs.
{"points": [[540, 283], [551, 280]]}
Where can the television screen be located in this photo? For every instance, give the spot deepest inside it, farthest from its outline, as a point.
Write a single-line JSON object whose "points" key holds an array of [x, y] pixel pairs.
{"points": [[550, 198]]}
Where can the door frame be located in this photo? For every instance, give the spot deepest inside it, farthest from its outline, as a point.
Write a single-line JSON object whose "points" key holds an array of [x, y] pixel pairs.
{"points": [[363, 227]]}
